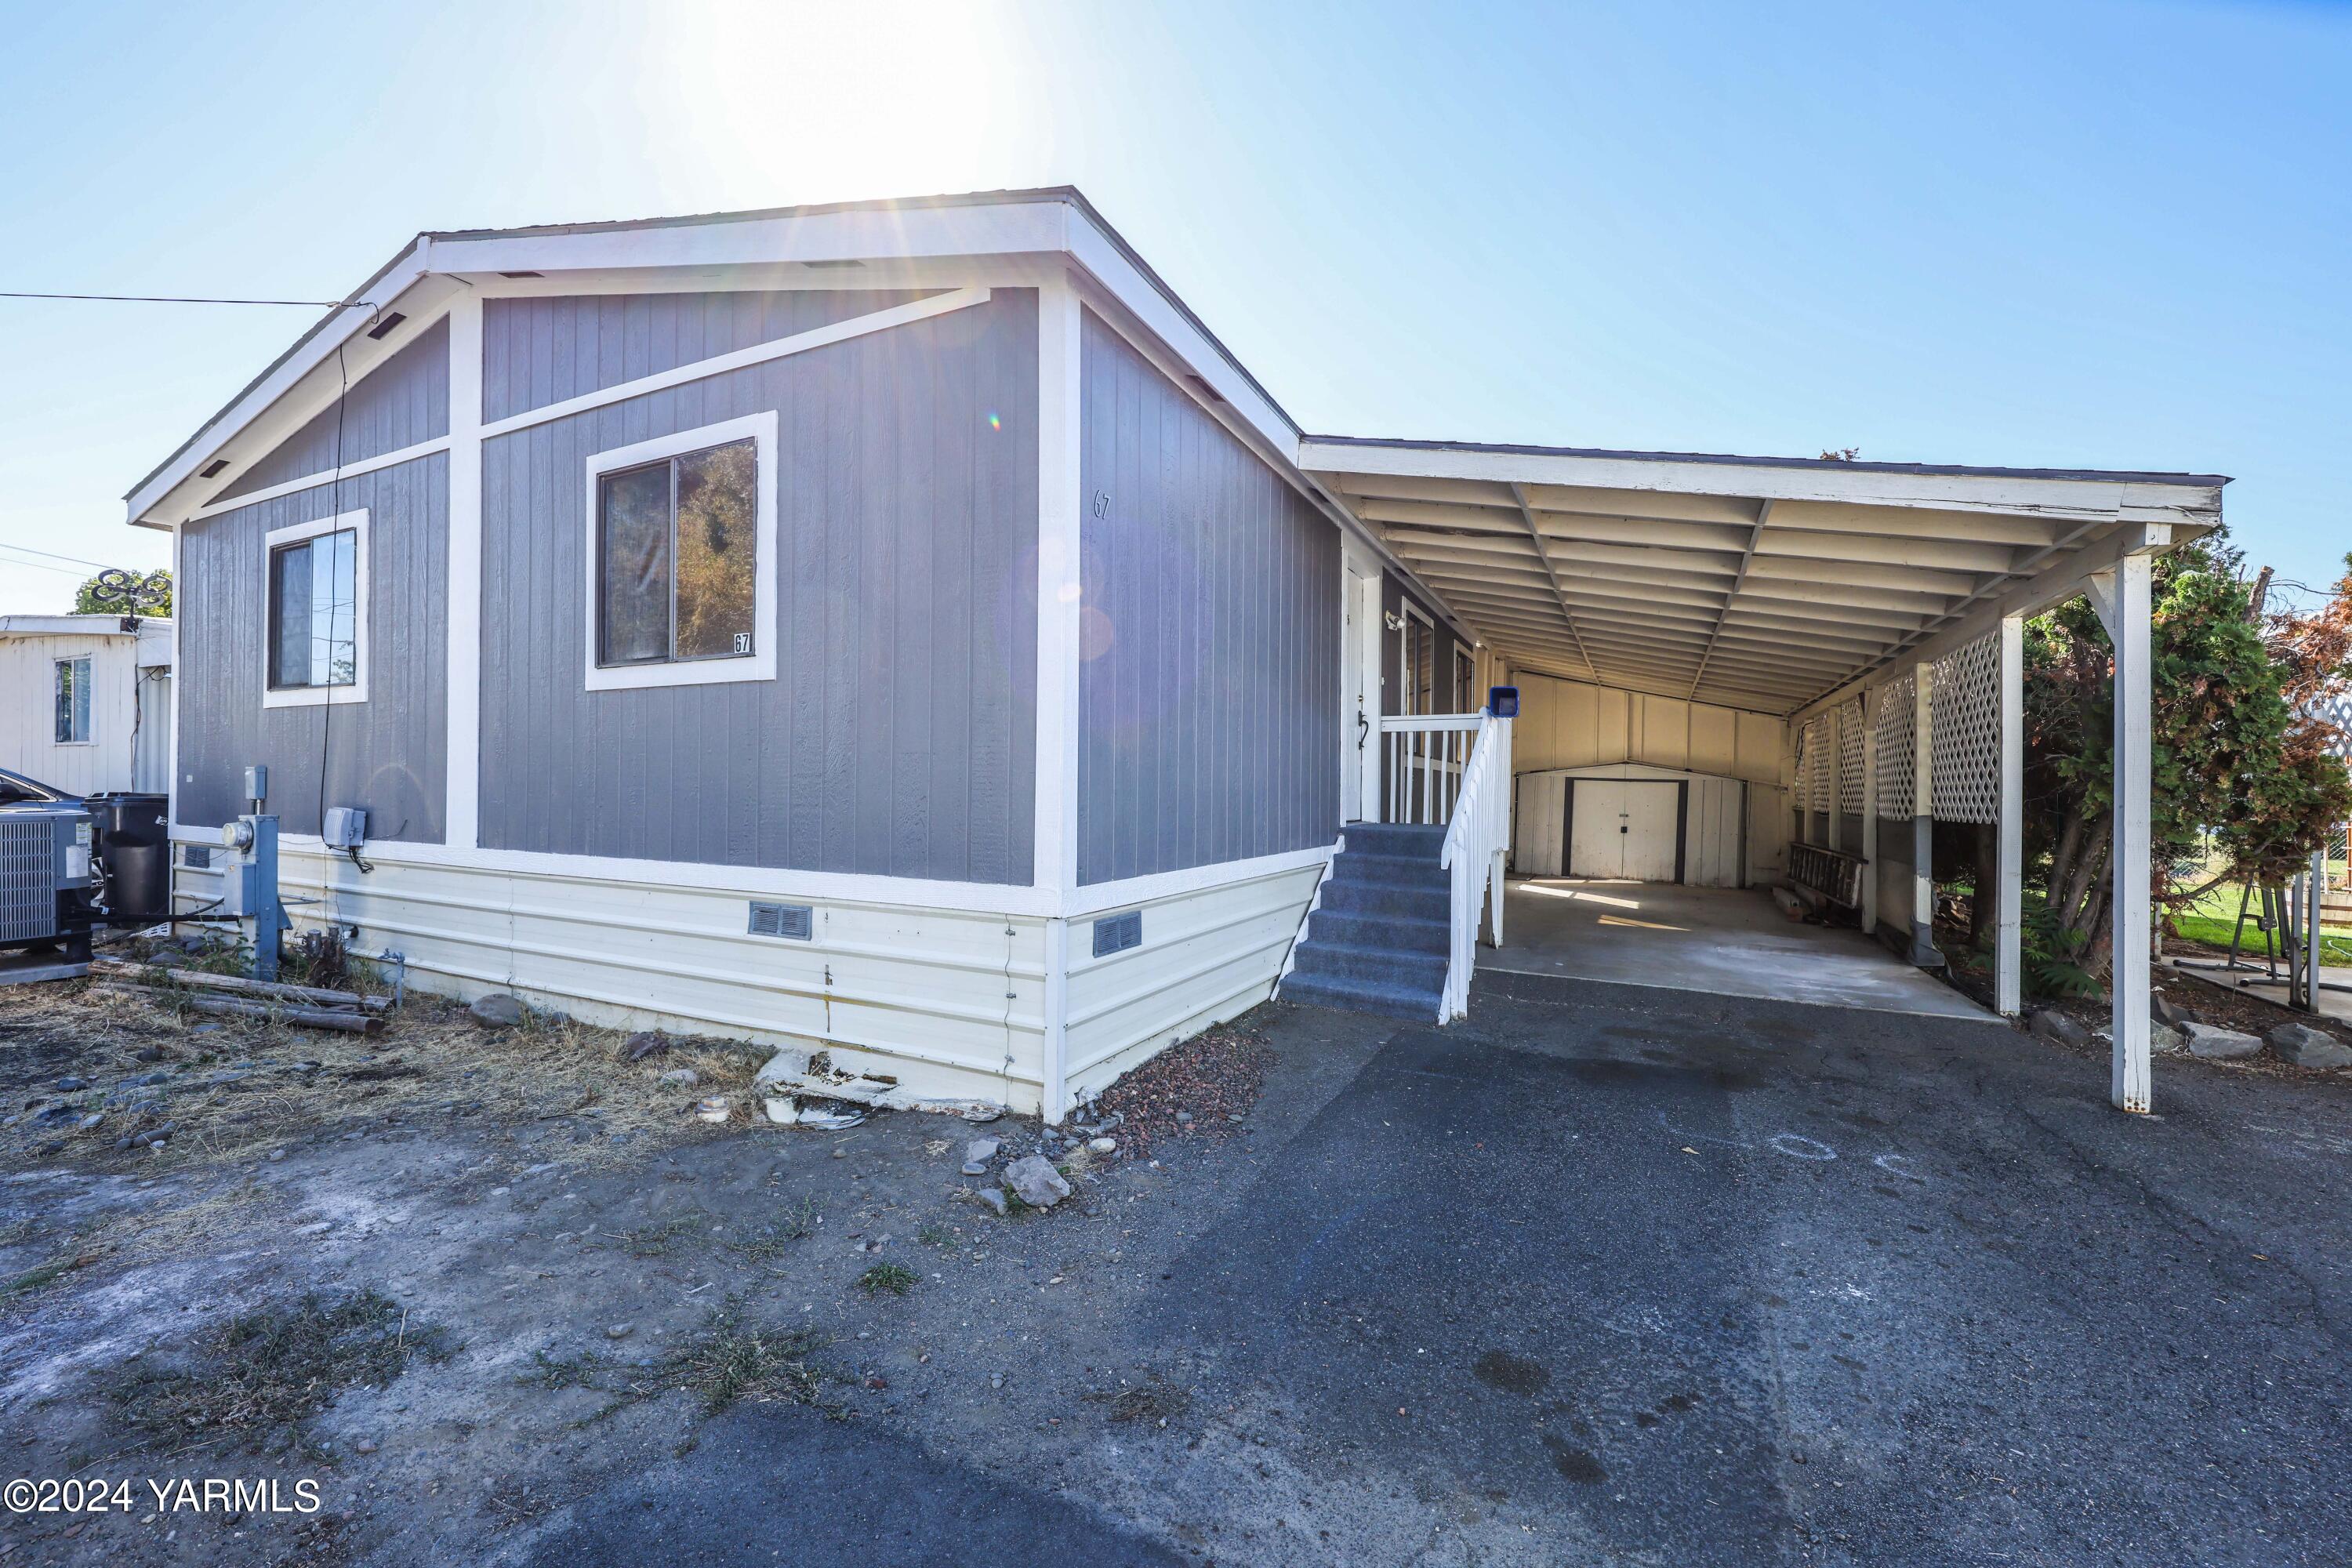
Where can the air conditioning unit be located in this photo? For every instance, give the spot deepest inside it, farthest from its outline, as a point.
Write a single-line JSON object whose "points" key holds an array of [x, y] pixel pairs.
{"points": [[44, 873]]}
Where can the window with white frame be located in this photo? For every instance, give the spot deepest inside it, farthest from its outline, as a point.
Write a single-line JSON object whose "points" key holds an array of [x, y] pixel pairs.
{"points": [[681, 547], [315, 649], [73, 701]]}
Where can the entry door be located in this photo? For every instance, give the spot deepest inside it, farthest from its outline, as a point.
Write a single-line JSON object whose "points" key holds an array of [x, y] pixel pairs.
{"points": [[1624, 830]]}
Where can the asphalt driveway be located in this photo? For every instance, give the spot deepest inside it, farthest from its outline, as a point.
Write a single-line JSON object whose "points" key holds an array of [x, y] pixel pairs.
{"points": [[1617, 1275], [1603, 1275]]}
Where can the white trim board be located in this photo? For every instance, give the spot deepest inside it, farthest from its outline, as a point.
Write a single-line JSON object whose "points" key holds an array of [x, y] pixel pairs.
{"points": [[760, 664], [295, 534], [678, 375], [323, 478], [740, 359], [828, 887]]}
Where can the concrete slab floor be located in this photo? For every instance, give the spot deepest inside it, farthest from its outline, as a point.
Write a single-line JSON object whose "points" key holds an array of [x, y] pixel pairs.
{"points": [[1722, 941]]}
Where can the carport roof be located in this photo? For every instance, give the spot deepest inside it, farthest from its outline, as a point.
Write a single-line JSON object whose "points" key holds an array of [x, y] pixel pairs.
{"points": [[1759, 583]]}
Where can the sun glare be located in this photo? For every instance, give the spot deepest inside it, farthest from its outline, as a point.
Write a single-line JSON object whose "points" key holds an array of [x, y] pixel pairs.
{"points": [[776, 104]]}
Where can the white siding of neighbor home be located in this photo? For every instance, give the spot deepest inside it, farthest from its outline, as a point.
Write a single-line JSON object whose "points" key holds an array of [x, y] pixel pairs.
{"points": [[28, 741], [949, 1002]]}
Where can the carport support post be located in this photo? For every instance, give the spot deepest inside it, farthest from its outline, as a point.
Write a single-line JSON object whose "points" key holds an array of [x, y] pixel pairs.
{"points": [[1837, 778], [1869, 817], [2009, 985], [1923, 821], [2125, 601]]}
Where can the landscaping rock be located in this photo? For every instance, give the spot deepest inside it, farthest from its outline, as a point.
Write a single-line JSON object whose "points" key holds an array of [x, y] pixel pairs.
{"points": [[2305, 1046], [2060, 1029], [994, 1198], [498, 1010], [619, 1330], [2218, 1045], [70, 1085], [1102, 1145], [648, 1043], [685, 1078], [2167, 1012], [1034, 1179], [977, 1154], [2163, 1040]]}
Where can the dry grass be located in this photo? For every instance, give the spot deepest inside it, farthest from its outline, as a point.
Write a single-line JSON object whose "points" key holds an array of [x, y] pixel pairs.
{"points": [[256, 1382], [430, 1061]]}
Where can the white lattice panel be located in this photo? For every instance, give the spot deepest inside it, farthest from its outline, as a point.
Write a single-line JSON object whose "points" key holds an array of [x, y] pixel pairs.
{"points": [[1818, 757], [2337, 709], [1849, 793], [1966, 717], [1897, 703]]}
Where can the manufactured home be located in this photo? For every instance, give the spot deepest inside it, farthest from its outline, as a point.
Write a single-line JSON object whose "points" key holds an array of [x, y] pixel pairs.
{"points": [[902, 632], [86, 701]]}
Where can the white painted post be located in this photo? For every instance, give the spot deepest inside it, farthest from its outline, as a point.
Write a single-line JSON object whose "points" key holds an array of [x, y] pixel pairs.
{"points": [[1869, 816], [1060, 508], [2009, 958], [1056, 1050], [2127, 961], [462, 772], [1836, 717], [1923, 819]]}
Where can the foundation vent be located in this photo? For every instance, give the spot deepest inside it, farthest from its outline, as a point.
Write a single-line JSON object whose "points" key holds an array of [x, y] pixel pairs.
{"points": [[1116, 933], [797, 921]]}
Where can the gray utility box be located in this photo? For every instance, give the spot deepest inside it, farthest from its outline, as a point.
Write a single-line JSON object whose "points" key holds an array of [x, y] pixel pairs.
{"points": [[346, 827], [45, 853]]}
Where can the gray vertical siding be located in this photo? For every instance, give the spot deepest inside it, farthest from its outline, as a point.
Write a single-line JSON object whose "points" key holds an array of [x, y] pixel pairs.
{"points": [[900, 737], [1209, 680], [387, 753], [401, 402], [536, 351]]}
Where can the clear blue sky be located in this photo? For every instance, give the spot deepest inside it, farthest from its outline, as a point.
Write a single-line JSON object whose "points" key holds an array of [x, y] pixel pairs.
{"points": [[2097, 235]]}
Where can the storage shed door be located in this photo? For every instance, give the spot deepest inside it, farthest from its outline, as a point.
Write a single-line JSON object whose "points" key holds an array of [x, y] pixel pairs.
{"points": [[1536, 848], [1625, 829]]}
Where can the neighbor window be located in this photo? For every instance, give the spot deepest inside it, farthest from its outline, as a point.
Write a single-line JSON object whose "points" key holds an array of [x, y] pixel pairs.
{"points": [[681, 546], [679, 557], [73, 701], [316, 641]]}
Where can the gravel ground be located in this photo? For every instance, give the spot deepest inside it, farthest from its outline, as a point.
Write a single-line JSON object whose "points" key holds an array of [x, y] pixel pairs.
{"points": [[1199, 1089]]}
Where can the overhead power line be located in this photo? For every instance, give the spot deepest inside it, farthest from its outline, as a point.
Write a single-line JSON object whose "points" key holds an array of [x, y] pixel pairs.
{"points": [[179, 300], [6, 544]]}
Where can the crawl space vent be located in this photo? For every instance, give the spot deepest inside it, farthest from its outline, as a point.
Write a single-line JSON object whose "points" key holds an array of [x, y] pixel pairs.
{"points": [[1116, 933], [794, 921]]}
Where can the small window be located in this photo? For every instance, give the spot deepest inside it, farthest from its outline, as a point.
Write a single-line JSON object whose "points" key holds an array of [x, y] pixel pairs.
{"points": [[681, 545], [680, 554], [73, 701], [315, 647]]}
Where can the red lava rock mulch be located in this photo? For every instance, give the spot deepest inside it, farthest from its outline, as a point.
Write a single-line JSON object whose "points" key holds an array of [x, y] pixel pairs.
{"points": [[1213, 1076]]}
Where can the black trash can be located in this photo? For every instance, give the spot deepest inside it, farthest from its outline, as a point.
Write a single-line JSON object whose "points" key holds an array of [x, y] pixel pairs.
{"points": [[134, 846]]}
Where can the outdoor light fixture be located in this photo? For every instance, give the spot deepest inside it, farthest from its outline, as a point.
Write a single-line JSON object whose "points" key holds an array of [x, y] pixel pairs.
{"points": [[1395, 622]]}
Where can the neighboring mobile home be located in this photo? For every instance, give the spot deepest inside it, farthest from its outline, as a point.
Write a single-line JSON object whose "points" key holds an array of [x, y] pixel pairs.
{"points": [[902, 630], [86, 701]]}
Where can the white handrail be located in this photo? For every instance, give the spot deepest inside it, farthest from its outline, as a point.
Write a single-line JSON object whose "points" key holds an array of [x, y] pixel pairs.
{"points": [[1475, 840], [1426, 754]]}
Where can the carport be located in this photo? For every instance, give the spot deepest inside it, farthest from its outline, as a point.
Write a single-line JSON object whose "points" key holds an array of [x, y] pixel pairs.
{"points": [[1841, 641]]}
